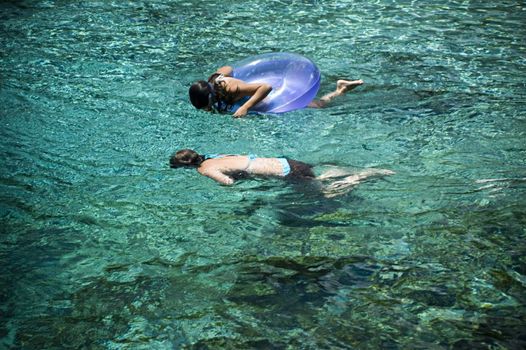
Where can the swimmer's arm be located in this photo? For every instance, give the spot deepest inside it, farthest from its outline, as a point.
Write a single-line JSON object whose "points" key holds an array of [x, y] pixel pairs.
{"points": [[258, 91], [218, 176], [226, 71]]}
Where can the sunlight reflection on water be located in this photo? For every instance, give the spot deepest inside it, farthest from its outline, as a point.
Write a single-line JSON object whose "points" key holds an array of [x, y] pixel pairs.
{"points": [[104, 246]]}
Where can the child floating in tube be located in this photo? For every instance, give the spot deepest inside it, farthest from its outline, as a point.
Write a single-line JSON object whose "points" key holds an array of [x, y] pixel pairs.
{"points": [[224, 93]]}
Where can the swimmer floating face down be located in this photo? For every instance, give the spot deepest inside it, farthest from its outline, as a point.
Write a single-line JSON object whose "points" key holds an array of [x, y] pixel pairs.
{"points": [[221, 92], [227, 168], [224, 93]]}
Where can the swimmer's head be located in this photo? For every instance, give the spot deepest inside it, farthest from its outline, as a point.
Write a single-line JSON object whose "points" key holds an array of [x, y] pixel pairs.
{"points": [[201, 94], [185, 157]]}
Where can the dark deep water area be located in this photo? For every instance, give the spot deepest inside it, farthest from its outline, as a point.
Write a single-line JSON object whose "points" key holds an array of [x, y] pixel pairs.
{"points": [[103, 246]]}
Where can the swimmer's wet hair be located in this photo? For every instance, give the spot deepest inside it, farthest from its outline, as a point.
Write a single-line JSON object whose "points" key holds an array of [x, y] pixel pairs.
{"points": [[199, 93], [186, 157], [212, 94]]}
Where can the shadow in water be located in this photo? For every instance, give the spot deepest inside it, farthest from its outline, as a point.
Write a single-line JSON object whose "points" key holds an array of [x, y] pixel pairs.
{"points": [[281, 284]]}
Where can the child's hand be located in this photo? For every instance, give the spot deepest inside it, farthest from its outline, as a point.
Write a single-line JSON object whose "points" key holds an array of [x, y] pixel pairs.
{"points": [[241, 111]]}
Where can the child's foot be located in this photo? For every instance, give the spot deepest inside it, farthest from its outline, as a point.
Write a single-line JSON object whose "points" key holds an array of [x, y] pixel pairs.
{"points": [[342, 86], [376, 172]]}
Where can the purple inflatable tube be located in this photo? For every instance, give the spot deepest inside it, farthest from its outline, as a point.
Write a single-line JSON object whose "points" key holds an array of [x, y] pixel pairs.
{"points": [[295, 80]]}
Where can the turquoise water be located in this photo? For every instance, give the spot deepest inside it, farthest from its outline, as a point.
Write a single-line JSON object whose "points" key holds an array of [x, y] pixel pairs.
{"points": [[103, 246]]}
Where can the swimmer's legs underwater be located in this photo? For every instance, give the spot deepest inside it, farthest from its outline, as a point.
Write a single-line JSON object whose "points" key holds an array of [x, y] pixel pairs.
{"points": [[342, 86], [349, 180]]}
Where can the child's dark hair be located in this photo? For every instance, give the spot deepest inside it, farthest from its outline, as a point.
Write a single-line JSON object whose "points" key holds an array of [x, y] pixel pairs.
{"points": [[186, 157], [200, 93], [211, 93]]}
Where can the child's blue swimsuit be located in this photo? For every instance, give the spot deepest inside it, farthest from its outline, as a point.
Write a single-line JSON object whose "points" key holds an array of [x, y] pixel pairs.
{"points": [[284, 162]]}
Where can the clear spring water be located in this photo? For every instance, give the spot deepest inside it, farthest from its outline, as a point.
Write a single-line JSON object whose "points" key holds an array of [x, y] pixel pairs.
{"points": [[103, 246]]}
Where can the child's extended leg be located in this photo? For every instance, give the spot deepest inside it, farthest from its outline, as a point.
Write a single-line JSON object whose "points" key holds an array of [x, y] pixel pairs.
{"points": [[342, 86], [334, 171], [343, 186]]}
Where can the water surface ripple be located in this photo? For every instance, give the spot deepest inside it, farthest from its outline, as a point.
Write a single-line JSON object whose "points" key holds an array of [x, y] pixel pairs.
{"points": [[103, 246]]}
